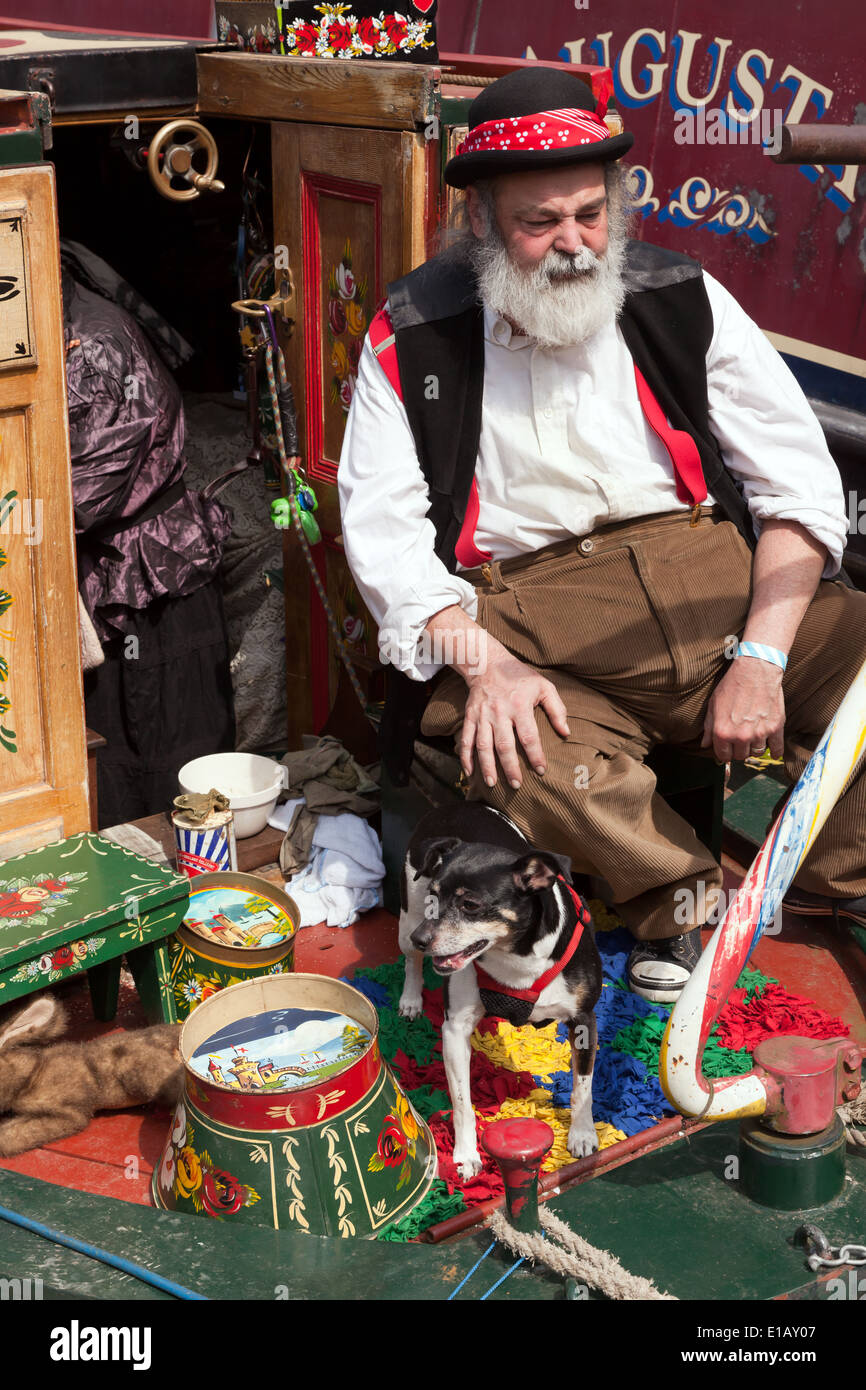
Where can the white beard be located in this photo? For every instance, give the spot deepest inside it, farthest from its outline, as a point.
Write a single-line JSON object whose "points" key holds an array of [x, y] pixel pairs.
{"points": [[563, 300]]}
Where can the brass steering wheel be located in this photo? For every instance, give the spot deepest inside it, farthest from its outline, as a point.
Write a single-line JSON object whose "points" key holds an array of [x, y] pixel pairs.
{"points": [[170, 158]]}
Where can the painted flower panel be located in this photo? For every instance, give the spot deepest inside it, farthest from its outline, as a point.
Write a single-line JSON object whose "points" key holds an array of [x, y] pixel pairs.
{"points": [[346, 325], [341, 34], [53, 963]]}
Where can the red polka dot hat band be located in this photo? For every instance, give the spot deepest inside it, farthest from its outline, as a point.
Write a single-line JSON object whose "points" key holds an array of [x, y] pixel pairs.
{"points": [[543, 130], [534, 118]]}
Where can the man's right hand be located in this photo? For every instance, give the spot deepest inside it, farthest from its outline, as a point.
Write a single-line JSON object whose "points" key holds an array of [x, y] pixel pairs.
{"points": [[501, 704], [503, 695]]}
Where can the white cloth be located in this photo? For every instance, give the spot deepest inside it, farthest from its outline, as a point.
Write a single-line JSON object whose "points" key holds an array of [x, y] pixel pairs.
{"points": [[565, 448], [89, 644], [344, 875], [281, 816]]}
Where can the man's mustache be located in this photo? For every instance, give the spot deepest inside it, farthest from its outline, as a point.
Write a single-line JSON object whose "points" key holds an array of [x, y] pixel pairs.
{"points": [[565, 265]]}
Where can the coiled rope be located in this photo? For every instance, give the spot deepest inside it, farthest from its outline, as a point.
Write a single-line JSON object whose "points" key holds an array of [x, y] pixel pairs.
{"points": [[569, 1254]]}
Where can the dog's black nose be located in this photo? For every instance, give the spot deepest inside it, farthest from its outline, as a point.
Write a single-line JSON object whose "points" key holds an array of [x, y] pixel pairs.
{"points": [[422, 936]]}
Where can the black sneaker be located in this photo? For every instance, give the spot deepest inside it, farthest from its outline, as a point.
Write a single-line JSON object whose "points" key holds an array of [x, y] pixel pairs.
{"points": [[657, 970], [803, 904]]}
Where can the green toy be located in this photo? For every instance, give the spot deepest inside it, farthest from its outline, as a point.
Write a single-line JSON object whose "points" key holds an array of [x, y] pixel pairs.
{"points": [[281, 509]]}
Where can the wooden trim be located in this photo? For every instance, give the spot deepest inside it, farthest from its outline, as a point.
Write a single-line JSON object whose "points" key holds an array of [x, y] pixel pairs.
{"points": [[396, 96], [414, 201], [43, 782], [813, 352], [455, 65], [152, 114], [33, 836]]}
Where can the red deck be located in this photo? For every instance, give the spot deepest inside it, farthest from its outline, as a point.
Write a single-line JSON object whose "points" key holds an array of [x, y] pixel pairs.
{"points": [[115, 1155]]}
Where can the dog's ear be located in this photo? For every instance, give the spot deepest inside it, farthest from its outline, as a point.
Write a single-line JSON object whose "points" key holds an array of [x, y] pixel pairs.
{"points": [[433, 853], [535, 872], [564, 862], [40, 1020]]}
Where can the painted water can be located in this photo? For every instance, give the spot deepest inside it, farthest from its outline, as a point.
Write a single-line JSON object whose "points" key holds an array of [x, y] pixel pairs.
{"points": [[201, 959], [336, 1149]]}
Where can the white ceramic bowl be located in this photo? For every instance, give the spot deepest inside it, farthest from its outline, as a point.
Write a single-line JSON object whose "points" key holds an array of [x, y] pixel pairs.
{"points": [[251, 783]]}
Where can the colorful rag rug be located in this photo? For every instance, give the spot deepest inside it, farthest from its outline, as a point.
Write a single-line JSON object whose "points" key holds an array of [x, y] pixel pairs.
{"points": [[527, 1071]]}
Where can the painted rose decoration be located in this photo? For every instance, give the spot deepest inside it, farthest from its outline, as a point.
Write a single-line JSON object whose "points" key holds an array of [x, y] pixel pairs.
{"points": [[189, 1175], [397, 1140], [178, 1128], [341, 34], [53, 963], [194, 1177], [221, 1194], [346, 326], [345, 281]]}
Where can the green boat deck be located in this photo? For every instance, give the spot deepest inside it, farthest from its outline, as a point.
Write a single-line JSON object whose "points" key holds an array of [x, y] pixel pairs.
{"points": [[672, 1216]]}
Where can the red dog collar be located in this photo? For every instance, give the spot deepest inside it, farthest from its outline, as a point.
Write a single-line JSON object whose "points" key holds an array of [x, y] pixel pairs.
{"points": [[582, 920]]}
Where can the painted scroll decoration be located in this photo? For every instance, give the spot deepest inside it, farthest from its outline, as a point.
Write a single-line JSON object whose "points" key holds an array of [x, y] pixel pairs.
{"points": [[721, 211], [17, 341]]}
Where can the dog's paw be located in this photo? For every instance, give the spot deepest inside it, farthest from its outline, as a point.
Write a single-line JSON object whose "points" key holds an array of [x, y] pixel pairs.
{"points": [[582, 1140], [410, 1005], [468, 1165]]}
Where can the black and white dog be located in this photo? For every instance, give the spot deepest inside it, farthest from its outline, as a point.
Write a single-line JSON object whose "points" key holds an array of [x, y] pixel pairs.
{"points": [[472, 887]]}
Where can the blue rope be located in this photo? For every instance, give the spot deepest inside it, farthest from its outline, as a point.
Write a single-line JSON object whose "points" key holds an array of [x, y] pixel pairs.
{"points": [[501, 1281], [471, 1272], [127, 1266]]}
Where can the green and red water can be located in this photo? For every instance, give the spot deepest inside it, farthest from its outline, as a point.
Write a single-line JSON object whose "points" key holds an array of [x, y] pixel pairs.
{"points": [[344, 1154]]}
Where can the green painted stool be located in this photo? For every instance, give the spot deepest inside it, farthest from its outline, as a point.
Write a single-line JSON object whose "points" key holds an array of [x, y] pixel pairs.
{"points": [[83, 904]]}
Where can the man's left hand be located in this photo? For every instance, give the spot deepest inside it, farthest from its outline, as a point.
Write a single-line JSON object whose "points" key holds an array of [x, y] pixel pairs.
{"points": [[746, 712]]}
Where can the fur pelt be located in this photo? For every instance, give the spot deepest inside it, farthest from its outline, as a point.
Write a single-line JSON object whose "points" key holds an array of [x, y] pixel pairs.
{"points": [[50, 1090]]}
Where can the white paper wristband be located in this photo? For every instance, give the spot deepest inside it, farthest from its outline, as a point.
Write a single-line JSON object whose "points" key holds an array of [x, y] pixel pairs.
{"points": [[763, 652]]}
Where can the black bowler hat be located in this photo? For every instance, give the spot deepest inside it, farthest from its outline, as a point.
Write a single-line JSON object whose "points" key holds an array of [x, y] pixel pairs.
{"points": [[533, 118]]}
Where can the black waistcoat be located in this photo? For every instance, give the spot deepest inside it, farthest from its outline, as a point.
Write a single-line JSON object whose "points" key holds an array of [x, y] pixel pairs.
{"points": [[667, 324]]}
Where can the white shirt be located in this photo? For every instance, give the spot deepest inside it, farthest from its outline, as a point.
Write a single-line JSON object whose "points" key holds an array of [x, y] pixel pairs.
{"points": [[565, 448]]}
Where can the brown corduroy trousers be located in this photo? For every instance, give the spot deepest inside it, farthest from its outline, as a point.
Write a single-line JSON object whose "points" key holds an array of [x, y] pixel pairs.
{"points": [[633, 625]]}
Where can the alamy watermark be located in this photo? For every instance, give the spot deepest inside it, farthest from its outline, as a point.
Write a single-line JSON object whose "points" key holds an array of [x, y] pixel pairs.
{"points": [[856, 514], [718, 127], [84, 1343], [850, 1286], [463, 647], [21, 1290], [21, 516], [708, 906]]}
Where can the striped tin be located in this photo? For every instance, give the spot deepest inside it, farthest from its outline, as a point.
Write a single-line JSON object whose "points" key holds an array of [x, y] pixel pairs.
{"points": [[342, 1157], [205, 847]]}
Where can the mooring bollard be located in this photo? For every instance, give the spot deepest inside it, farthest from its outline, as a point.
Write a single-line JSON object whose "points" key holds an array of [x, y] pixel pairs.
{"points": [[519, 1147]]}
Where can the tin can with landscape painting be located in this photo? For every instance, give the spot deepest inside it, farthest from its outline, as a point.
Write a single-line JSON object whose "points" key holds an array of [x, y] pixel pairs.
{"points": [[290, 1117], [237, 927]]}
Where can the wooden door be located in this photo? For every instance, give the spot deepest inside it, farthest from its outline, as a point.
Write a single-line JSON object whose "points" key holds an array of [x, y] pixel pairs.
{"points": [[43, 758], [351, 208]]}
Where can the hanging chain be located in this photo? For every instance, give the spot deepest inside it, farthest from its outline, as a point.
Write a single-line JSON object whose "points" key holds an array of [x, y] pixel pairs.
{"points": [[822, 1254], [291, 491]]}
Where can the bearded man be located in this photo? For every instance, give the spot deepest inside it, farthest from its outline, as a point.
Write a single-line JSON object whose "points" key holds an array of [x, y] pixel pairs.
{"points": [[581, 490]]}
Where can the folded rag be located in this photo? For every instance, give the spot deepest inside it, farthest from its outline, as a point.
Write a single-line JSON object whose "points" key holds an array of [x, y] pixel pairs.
{"points": [[330, 782], [344, 875]]}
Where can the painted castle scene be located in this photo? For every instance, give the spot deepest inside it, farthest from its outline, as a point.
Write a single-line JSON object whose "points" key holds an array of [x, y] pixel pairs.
{"points": [[280, 1050], [237, 918]]}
